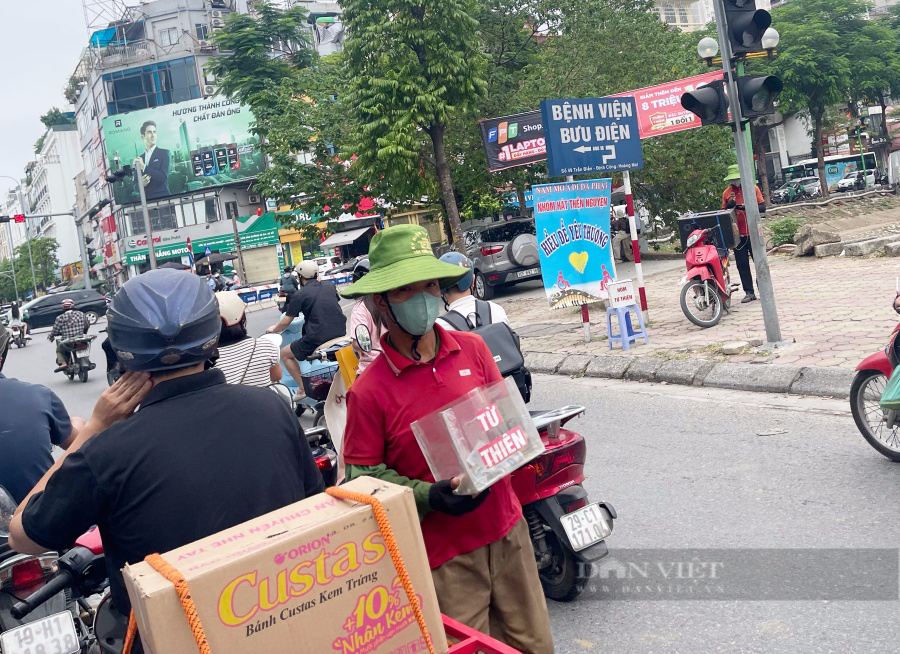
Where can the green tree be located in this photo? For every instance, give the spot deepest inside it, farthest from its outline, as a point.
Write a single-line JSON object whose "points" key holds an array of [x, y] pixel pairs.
{"points": [[814, 58], [261, 50], [46, 263], [412, 65], [56, 117]]}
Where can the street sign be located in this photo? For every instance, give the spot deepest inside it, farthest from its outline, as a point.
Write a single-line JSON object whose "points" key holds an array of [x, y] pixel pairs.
{"points": [[207, 251], [588, 135], [190, 251]]}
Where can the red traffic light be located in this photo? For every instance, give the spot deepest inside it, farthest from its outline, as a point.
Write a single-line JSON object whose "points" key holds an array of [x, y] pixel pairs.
{"points": [[19, 218]]}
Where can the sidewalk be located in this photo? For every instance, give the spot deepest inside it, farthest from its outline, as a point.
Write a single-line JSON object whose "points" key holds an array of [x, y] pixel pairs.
{"points": [[834, 312]]}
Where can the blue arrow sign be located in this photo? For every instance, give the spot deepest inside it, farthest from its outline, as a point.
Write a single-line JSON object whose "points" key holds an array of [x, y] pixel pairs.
{"points": [[589, 135]]}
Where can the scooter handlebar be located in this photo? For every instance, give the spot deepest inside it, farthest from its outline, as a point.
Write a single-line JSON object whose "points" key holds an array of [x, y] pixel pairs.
{"points": [[58, 583]]}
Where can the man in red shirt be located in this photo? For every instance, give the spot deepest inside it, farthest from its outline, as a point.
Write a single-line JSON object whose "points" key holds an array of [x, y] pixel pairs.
{"points": [[479, 548], [733, 198]]}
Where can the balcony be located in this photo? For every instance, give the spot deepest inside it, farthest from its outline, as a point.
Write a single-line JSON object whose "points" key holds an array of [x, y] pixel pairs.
{"points": [[115, 56]]}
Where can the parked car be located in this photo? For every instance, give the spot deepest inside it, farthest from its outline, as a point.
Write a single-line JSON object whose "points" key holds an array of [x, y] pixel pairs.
{"points": [[43, 311], [851, 179], [504, 253], [340, 274]]}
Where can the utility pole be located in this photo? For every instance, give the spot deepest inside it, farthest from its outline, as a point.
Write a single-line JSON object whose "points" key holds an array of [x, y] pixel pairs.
{"points": [[745, 163]]}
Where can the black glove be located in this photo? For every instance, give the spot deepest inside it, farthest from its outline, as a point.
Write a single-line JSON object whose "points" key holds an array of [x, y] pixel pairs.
{"points": [[442, 498], [731, 204]]}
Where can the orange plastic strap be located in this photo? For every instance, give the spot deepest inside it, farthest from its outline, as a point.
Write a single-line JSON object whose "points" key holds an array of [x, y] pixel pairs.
{"points": [[387, 533], [187, 603]]}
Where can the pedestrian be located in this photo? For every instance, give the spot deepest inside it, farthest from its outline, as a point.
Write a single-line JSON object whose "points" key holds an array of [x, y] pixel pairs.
{"points": [[479, 548], [194, 460], [733, 198]]}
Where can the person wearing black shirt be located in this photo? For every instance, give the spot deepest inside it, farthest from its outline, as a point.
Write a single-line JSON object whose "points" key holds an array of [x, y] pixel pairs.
{"points": [[195, 459], [323, 319]]}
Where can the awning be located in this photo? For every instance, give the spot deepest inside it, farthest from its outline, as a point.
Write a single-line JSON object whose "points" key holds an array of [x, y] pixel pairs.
{"points": [[343, 238]]}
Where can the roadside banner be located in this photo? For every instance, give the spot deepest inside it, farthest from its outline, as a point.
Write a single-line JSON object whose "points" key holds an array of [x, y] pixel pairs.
{"points": [[572, 221], [659, 112]]}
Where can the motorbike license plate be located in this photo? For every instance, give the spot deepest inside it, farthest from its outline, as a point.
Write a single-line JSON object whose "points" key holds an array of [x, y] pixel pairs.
{"points": [[585, 527], [528, 273], [54, 634]]}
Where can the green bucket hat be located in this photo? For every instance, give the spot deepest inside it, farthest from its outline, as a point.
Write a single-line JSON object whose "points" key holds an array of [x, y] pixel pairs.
{"points": [[402, 255], [734, 173]]}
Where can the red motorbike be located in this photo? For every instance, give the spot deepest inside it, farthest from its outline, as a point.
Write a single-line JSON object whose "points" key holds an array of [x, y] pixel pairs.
{"points": [[567, 531], [880, 427], [707, 292]]}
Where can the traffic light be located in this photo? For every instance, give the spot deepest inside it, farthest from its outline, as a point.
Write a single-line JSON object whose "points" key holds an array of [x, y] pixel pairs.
{"points": [[97, 209], [758, 94], [19, 218], [709, 103], [91, 254], [124, 171], [745, 25], [4, 219]]}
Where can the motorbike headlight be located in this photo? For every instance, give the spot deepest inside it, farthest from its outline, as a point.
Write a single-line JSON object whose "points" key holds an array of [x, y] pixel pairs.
{"points": [[692, 240]]}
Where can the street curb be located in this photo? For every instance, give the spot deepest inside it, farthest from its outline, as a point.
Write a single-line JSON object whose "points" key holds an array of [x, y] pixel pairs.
{"points": [[755, 377]]}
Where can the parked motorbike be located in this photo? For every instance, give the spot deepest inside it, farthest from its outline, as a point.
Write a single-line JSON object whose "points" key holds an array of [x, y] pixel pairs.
{"points": [[17, 332], [42, 606], [707, 285], [77, 352], [881, 428], [568, 532]]}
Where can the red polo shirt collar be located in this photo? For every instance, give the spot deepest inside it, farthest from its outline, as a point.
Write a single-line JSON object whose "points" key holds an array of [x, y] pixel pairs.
{"points": [[398, 363]]}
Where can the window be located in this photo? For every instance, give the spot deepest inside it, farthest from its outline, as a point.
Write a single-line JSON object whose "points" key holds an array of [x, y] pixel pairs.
{"points": [[168, 36], [682, 15], [151, 86], [212, 215], [202, 30], [669, 14], [160, 218], [231, 210]]}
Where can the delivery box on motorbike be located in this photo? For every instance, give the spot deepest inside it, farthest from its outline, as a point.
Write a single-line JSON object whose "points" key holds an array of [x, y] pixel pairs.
{"points": [[313, 577], [725, 236], [482, 437]]}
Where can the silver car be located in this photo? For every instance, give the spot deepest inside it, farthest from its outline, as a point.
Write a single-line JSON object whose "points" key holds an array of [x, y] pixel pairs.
{"points": [[504, 253]]}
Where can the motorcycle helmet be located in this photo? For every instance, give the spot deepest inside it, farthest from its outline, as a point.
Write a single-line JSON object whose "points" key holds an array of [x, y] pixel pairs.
{"points": [[307, 269], [459, 259], [68, 303], [231, 307], [163, 320], [361, 269]]}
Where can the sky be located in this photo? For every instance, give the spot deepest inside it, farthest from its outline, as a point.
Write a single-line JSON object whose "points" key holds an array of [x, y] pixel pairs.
{"points": [[40, 41]]}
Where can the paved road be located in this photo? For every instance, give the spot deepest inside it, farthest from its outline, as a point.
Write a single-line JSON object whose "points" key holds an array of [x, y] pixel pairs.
{"points": [[696, 469]]}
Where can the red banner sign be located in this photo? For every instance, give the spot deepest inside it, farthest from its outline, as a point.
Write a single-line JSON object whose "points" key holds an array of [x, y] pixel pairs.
{"points": [[659, 107]]}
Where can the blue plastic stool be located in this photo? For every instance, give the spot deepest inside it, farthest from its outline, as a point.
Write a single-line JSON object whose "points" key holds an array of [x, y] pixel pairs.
{"points": [[627, 334]]}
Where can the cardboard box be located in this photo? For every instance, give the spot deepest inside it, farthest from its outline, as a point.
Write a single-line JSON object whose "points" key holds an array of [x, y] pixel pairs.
{"points": [[312, 578]]}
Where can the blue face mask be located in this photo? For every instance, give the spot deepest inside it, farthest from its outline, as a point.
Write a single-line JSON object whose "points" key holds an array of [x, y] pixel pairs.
{"points": [[418, 313]]}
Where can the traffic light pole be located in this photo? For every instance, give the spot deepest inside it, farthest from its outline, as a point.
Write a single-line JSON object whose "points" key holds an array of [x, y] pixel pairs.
{"points": [[739, 68], [82, 246], [27, 238], [151, 251], [745, 162]]}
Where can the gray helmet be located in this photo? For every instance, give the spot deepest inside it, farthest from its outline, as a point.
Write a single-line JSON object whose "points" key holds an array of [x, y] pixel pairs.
{"points": [[361, 269], [459, 259], [163, 320]]}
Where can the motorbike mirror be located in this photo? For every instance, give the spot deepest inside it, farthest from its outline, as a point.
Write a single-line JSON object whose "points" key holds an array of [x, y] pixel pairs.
{"points": [[7, 510], [363, 338]]}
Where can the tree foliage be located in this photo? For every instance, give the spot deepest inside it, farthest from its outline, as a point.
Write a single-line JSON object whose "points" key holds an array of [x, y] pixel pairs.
{"points": [[56, 117], [413, 65], [43, 253]]}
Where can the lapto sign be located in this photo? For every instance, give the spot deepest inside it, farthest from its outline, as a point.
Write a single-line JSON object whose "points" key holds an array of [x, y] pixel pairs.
{"points": [[574, 243]]}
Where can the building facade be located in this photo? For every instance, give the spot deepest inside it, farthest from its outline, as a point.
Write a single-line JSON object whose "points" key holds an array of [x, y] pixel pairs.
{"points": [[52, 190]]}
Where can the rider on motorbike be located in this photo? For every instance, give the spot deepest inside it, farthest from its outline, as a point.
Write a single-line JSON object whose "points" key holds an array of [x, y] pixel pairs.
{"points": [[244, 359], [69, 324], [323, 319], [194, 460], [479, 548], [34, 420], [15, 315]]}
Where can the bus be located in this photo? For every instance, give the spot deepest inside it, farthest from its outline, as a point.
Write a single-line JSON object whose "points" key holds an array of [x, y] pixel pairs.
{"points": [[836, 166]]}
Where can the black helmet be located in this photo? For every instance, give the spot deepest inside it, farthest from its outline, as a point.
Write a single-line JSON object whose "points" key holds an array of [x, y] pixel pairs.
{"points": [[361, 269], [163, 320]]}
